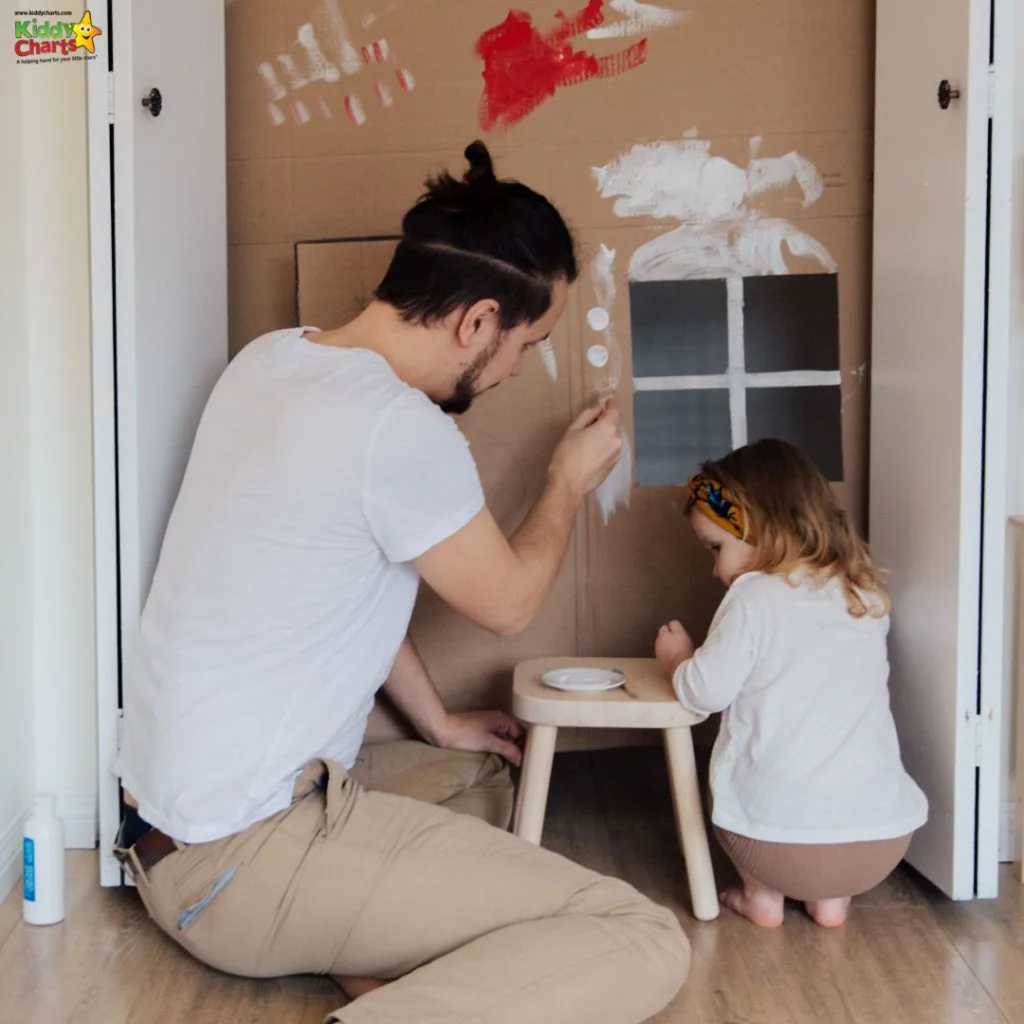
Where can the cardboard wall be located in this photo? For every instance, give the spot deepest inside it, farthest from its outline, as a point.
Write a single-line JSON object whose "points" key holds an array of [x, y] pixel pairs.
{"points": [[328, 145]]}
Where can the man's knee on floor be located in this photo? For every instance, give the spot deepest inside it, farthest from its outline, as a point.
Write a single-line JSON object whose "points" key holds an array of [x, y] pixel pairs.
{"points": [[658, 924], [667, 934]]}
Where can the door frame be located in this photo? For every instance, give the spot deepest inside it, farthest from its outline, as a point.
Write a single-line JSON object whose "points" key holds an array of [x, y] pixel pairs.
{"points": [[1003, 446], [995, 661], [111, 414], [106, 544]]}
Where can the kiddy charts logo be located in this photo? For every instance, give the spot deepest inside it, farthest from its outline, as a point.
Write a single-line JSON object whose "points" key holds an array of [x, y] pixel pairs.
{"points": [[54, 37]]}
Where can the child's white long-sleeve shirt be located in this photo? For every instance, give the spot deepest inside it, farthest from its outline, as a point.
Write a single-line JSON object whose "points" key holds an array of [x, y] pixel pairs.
{"points": [[808, 751]]}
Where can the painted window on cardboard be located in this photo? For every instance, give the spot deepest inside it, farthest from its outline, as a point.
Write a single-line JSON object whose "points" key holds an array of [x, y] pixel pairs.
{"points": [[720, 363]]}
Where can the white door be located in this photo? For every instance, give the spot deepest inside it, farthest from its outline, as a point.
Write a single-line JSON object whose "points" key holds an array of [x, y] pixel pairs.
{"points": [[938, 381], [169, 255]]}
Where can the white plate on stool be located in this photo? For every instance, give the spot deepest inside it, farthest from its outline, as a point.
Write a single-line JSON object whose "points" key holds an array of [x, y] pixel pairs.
{"points": [[584, 680]]}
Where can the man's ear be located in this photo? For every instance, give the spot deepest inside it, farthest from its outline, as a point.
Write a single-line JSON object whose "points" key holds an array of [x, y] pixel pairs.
{"points": [[478, 325]]}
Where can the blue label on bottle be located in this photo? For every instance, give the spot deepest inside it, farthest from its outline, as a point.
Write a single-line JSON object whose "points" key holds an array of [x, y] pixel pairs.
{"points": [[28, 867]]}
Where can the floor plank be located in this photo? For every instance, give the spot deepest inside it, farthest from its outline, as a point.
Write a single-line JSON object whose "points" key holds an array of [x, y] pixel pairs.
{"points": [[907, 956], [10, 915], [989, 935]]}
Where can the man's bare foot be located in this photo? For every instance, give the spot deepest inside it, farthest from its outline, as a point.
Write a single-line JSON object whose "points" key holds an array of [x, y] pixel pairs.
{"points": [[356, 987], [829, 913], [762, 906]]}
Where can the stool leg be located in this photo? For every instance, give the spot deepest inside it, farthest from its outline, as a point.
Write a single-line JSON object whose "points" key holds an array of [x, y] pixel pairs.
{"points": [[534, 781], [693, 836]]}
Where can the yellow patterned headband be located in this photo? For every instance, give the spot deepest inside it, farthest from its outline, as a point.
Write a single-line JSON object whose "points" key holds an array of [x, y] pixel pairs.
{"points": [[719, 505]]}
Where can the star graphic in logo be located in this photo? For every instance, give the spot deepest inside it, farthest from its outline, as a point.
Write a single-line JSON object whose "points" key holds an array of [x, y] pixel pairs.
{"points": [[85, 32]]}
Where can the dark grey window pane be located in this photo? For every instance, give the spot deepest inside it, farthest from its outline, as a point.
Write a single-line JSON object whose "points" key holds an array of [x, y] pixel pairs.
{"points": [[809, 417], [676, 431], [791, 322], [679, 328]]}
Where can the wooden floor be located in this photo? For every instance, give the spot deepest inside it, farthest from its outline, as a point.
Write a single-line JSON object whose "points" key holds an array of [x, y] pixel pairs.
{"points": [[906, 957]]}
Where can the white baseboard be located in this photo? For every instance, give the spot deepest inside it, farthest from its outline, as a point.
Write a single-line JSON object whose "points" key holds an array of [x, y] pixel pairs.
{"points": [[79, 815], [1009, 837], [10, 855]]}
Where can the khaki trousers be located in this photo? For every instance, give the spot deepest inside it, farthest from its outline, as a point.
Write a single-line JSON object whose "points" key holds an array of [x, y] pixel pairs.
{"points": [[477, 926]]}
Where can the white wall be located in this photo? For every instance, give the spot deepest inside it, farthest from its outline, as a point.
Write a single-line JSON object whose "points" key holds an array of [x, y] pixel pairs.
{"points": [[16, 667], [47, 671], [57, 278]]}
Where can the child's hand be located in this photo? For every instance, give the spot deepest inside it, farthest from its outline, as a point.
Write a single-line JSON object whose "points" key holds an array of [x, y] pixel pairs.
{"points": [[673, 647]]}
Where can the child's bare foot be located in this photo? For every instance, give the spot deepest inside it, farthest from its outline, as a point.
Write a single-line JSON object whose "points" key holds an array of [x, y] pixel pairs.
{"points": [[829, 913], [764, 907], [356, 987]]}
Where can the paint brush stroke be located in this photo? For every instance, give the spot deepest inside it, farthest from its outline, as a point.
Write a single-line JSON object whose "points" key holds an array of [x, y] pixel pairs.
{"points": [[719, 235], [549, 359], [616, 490], [524, 68], [602, 279], [637, 19], [754, 249], [684, 182]]}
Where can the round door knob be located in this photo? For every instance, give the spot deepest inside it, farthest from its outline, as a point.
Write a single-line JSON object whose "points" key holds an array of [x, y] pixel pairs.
{"points": [[154, 102], [947, 94]]}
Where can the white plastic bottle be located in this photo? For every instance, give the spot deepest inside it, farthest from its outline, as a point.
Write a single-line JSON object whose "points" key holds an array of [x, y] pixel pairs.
{"points": [[43, 864]]}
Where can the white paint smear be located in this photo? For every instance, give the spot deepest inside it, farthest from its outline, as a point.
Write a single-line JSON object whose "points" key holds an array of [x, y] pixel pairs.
{"points": [[301, 112], [597, 356], [269, 76], [857, 376], [637, 19], [339, 39], [616, 490], [602, 280], [737, 359], [720, 235], [549, 359], [354, 109], [720, 381], [296, 76], [276, 115], [683, 181], [598, 319], [320, 68]]}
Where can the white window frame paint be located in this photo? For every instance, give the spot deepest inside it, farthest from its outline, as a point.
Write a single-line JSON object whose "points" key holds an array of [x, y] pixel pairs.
{"points": [[736, 380]]}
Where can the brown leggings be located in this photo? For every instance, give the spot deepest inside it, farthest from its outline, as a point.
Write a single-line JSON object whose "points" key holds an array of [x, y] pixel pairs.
{"points": [[811, 872]]}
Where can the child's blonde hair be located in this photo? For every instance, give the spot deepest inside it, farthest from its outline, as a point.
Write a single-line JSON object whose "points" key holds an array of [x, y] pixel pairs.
{"points": [[795, 521]]}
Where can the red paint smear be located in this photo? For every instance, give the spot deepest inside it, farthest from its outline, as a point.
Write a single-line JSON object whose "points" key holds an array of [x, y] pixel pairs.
{"points": [[523, 68], [353, 111]]}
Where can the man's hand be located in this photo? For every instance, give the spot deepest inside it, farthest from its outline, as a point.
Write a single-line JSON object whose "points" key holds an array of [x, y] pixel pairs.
{"points": [[673, 647], [590, 449], [491, 732]]}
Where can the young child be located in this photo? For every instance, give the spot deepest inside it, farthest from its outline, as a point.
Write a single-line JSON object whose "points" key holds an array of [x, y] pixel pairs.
{"points": [[810, 797]]}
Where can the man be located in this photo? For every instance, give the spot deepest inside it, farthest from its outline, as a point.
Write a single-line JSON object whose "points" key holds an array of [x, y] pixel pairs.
{"points": [[324, 482]]}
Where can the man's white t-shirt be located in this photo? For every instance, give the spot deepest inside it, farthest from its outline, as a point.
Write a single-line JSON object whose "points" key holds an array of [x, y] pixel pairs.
{"points": [[808, 750], [284, 586]]}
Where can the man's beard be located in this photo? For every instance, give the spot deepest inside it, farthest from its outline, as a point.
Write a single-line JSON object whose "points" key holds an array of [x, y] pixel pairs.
{"points": [[461, 398]]}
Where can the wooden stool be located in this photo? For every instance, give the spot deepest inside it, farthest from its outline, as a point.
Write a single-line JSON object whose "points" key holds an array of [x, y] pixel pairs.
{"points": [[646, 702]]}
